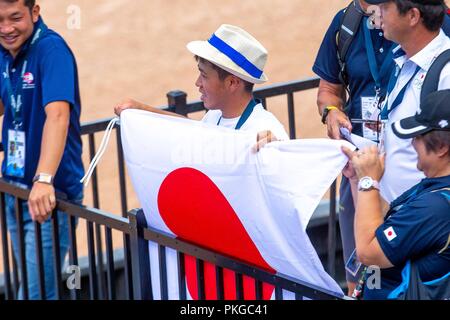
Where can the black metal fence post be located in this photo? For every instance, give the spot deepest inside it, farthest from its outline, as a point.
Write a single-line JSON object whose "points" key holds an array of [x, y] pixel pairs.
{"points": [[5, 251], [22, 250], [177, 101], [140, 261]]}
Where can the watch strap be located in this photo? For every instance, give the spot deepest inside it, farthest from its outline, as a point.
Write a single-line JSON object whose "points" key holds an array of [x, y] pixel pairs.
{"points": [[43, 178], [326, 111]]}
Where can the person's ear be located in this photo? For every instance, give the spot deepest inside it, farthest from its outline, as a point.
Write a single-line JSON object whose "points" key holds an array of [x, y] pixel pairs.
{"points": [[234, 83], [443, 152], [35, 12], [415, 17]]}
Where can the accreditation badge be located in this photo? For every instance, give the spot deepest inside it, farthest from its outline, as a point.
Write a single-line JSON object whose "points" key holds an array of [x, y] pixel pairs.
{"points": [[369, 106], [353, 265], [15, 154]]}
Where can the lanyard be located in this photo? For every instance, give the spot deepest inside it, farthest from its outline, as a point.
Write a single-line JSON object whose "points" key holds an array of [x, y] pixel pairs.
{"points": [[15, 94], [15, 99], [398, 100], [245, 115], [378, 74]]}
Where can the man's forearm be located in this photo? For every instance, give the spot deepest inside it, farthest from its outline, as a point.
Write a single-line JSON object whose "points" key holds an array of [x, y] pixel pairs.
{"points": [[145, 107], [2, 108], [368, 218], [53, 142], [326, 98], [330, 94]]}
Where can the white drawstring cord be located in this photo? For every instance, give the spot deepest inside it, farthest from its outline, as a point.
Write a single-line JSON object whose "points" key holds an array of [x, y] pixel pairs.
{"points": [[100, 152]]}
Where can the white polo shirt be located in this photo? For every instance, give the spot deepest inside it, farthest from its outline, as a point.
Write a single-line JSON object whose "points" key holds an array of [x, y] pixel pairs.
{"points": [[401, 171], [259, 120]]}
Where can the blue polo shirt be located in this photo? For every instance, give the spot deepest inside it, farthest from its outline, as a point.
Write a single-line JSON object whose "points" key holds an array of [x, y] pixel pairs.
{"points": [[416, 228], [51, 76], [361, 82]]}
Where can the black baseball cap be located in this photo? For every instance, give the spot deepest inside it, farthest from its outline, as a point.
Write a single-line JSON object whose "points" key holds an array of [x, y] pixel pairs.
{"points": [[434, 115], [424, 2]]}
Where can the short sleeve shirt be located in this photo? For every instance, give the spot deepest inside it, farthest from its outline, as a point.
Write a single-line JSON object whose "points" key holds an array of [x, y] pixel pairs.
{"points": [[50, 75], [361, 82], [259, 120], [401, 158], [416, 228]]}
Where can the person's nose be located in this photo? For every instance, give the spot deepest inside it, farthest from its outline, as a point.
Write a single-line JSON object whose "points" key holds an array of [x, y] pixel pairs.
{"points": [[198, 83], [6, 28]]}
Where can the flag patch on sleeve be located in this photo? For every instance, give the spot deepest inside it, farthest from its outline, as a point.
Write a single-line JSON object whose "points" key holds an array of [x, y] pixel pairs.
{"points": [[390, 233]]}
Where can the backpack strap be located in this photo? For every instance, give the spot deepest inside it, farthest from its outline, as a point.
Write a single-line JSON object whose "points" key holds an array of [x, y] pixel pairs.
{"points": [[431, 82], [347, 31]]}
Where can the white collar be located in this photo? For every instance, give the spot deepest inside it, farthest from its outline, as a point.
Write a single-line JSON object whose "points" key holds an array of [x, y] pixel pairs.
{"points": [[425, 57]]}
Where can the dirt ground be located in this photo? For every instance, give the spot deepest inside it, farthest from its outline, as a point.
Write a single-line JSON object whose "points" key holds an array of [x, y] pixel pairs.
{"points": [[136, 48]]}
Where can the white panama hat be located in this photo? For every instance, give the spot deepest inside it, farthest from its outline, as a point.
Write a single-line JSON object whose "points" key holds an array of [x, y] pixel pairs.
{"points": [[234, 50]]}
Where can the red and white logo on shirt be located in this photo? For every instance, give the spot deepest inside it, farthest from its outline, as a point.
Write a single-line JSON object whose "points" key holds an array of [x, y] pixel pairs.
{"points": [[28, 78], [390, 233], [28, 81]]}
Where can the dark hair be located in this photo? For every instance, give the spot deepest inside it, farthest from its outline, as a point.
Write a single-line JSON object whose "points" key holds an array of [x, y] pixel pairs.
{"points": [[432, 14], [436, 139], [28, 3], [223, 74]]}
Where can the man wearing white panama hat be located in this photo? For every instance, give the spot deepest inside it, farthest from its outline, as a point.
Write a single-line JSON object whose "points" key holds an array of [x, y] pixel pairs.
{"points": [[230, 63]]}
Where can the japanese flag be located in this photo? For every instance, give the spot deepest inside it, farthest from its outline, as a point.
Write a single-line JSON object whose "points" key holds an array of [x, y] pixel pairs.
{"points": [[207, 185], [390, 234]]}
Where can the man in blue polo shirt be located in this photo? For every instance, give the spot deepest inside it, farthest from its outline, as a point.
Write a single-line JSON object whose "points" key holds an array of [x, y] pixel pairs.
{"points": [[416, 229], [41, 130]]}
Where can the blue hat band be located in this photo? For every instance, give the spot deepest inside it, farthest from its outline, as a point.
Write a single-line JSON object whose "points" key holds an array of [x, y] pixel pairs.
{"points": [[235, 56]]}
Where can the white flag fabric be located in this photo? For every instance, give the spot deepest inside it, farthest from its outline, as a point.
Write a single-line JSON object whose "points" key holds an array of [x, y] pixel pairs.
{"points": [[206, 184]]}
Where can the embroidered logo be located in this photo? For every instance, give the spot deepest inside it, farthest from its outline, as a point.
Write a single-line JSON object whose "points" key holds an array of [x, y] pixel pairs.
{"points": [[390, 234], [28, 81], [418, 82]]}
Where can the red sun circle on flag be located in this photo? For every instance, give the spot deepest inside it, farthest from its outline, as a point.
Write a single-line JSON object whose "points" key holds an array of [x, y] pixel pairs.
{"points": [[195, 209]]}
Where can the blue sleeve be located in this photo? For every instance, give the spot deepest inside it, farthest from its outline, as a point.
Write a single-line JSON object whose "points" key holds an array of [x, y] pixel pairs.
{"points": [[446, 25], [58, 74], [419, 227], [326, 65], [2, 69]]}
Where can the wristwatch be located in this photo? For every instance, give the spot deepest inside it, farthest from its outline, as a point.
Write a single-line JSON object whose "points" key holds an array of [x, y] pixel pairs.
{"points": [[43, 178], [326, 111], [367, 184]]}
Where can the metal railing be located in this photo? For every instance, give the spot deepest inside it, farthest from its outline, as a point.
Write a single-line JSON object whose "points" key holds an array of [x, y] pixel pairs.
{"points": [[136, 235], [94, 220]]}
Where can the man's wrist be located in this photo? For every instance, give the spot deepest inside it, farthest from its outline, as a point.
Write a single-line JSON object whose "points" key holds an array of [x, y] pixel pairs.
{"points": [[44, 178], [367, 183], [326, 112]]}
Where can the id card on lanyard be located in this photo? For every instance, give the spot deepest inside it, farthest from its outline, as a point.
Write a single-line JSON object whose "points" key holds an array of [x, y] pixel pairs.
{"points": [[370, 104], [15, 164], [16, 147]]}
